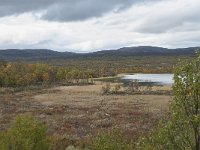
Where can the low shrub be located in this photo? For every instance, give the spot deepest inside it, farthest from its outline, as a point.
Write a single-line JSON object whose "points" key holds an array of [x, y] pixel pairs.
{"points": [[25, 134], [116, 88], [106, 89], [113, 140]]}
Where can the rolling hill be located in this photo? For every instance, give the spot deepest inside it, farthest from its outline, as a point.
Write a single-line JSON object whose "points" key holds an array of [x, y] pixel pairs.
{"points": [[38, 54]]}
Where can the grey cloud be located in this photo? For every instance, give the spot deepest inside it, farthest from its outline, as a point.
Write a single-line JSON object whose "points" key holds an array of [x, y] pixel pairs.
{"points": [[13, 7], [81, 10], [162, 26], [65, 10], [170, 20]]}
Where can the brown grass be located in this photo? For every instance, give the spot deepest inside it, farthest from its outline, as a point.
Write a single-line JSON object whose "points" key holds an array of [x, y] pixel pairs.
{"points": [[77, 111]]}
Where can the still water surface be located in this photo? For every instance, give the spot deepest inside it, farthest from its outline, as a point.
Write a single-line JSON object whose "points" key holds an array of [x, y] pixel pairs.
{"points": [[160, 79]]}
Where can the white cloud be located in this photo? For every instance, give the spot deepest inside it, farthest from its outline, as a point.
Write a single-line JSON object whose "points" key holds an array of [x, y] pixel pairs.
{"points": [[168, 23]]}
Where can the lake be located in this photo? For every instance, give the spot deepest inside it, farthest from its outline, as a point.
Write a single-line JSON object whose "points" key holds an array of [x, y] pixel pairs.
{"points": [[155, 79]]}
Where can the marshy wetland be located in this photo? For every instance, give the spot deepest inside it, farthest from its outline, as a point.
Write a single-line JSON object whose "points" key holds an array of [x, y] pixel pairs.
{"points": [[75, 112]]}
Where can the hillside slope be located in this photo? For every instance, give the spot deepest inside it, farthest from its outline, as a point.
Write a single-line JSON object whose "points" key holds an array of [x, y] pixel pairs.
{"points": [[37, 54]]}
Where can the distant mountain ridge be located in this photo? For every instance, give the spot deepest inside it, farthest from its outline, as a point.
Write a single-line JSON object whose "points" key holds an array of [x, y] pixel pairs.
{"points": [[34, 54], [147, 51]]}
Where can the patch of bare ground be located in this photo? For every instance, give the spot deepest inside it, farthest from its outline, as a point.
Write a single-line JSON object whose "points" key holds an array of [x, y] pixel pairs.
{"points": [[77, 111]]}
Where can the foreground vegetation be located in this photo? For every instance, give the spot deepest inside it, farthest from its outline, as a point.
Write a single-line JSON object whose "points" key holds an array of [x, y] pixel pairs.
{"points": [[25, 134], [180, 130]]}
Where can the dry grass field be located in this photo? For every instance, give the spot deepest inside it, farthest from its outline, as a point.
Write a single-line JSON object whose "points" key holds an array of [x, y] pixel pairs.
{"points": [[78, 111]]}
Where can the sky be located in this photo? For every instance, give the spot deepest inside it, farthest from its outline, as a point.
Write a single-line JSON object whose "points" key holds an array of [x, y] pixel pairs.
{"points": [[92, 25]]}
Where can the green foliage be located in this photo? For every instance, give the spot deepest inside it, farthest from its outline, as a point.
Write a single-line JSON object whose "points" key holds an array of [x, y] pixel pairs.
{"points": [[182, 130], [113, 140], [25, 134]]}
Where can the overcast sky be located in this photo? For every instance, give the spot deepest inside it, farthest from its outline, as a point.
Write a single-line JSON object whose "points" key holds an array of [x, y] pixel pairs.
{"points": [[91, 25]]}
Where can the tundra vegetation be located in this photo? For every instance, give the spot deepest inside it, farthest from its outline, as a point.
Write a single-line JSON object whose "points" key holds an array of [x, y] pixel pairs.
{"points": [[179, 130]]}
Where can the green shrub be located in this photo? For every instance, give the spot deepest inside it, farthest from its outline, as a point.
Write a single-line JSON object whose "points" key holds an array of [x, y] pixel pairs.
{"points": [[25, 134], [182, 130], [113, 140]]}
